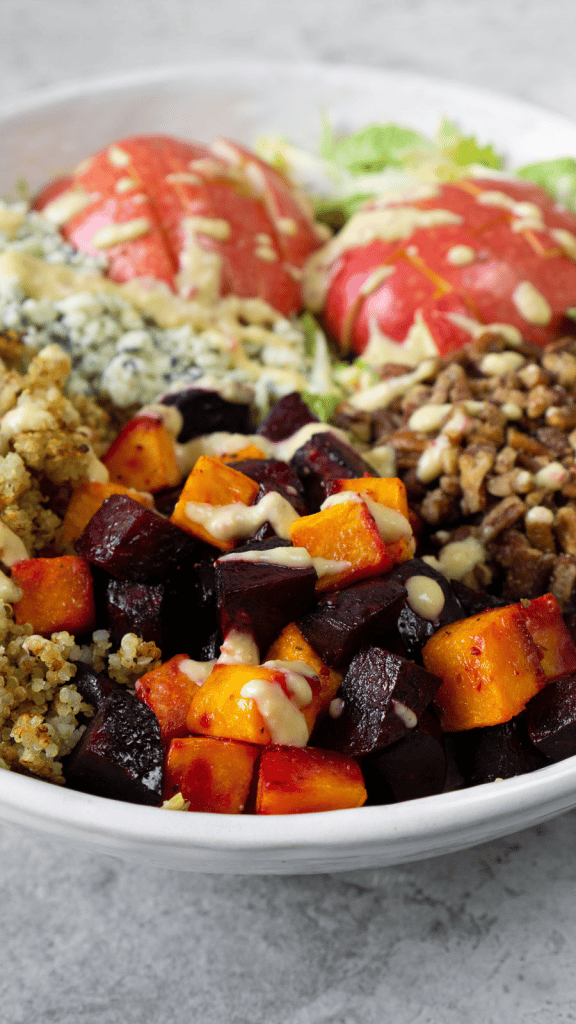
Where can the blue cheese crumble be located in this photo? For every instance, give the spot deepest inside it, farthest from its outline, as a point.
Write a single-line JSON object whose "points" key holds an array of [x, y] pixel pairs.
{"points": [[119, 350]]}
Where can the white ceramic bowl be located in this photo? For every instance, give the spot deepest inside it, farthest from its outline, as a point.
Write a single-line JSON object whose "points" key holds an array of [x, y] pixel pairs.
{"points": [[43, 135]]}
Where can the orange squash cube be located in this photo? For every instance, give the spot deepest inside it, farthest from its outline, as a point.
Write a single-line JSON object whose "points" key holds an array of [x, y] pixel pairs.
{"points": [[58, 595], [86, 500], [168, 691], [212, 775], [251, 451], [345, 532], [143, 456], [220, 709], [212, 482], [490, 668], [548, 631], [300, 780], [389, 491], [291, 646]]}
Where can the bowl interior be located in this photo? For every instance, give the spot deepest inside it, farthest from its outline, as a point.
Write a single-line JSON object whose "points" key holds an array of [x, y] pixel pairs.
{"points": [[43, 135]]}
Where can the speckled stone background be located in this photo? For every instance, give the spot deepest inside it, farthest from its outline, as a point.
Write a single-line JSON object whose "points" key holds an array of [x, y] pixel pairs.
{"points": [[484, 936]]}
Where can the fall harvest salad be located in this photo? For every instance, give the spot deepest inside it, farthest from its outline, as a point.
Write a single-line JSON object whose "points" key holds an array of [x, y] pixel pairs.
{"points": [[287, 472]]}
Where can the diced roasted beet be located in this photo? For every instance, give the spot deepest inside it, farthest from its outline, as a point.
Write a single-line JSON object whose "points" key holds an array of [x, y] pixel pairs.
{"points": [[210, 649], [551, 718], [326, 457], [348, 619], [165, 501], [414, 630], [205, 412], [133, 542], [286, 417], [496, 752], [92, 686], [384, 698], [274, 475], [412, 767], [262, 597], [120, 754], [475, 601], [136, 608]]}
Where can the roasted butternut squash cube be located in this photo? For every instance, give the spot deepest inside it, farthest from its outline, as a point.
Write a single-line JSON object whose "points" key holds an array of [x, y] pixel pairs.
{"points": [[86, 500], [219, 709], [251, 451], [212, 775], [489, 665], [347, 533], [293, 780], [57, 594], [548, 631], [212, 482], [168, 691], [143, 456], [389, 491], [291, 646]]}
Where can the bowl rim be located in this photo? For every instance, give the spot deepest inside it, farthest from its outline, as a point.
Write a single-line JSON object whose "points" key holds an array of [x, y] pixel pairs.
{"points": [[552, 789]]}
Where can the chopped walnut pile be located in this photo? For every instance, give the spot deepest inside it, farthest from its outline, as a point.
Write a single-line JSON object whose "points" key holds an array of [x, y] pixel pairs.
{"points": [[486, 447]]}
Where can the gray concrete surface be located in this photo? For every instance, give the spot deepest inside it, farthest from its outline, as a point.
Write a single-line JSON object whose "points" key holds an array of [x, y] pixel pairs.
{"points": [[484, 936]]}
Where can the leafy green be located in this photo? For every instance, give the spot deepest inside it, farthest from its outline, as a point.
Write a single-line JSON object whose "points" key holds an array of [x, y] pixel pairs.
{"points": [[370, 149], [558, 177], [322, 406], [464, 150], [309, 329]]}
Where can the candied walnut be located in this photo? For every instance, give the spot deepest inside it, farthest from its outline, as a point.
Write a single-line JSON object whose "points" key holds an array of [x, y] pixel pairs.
{"points": [[541, 398], [554, 439], [524, 443], [438, 507], [562, 366], [356, 421], [565, 527], [474, 464], [563, 580], [527, 569], [504, 515]]}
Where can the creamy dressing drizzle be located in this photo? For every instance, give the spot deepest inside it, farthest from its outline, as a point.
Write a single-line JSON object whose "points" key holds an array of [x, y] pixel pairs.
{"points": [[232, 522], [297, 558]]}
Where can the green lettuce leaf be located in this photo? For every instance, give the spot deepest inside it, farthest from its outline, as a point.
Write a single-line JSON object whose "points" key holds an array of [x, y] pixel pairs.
{"points": [[464, 150], [558, 177], [370, 149]]}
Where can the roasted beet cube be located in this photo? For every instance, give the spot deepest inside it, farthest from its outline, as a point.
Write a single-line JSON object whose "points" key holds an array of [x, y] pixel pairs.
{"points": [[133, 542], [323, 458], [384, 698], [475, 601], [551, 718], [414, 628], [496, 752], [136, 608], [348, 619], [286, 417], [412, 767], [205, 412], [120, 755], [261, 597], [165, 501], [92, 686], [275, 475]]}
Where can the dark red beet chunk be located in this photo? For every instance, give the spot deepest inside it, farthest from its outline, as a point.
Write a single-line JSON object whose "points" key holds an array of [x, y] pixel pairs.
{"points": [[415, 766], [323, 458], [120, 755], [274, 475], [136, 608], [475, 601], [496, 752], [134, 543], [262, 597], [414, 630], [205, 412], [551, 718], [92, 686], [348, 619], [383, 695], [286, 417]]}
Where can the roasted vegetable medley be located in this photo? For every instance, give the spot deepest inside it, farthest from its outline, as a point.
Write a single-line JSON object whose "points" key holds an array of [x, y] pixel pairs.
{"points": [[287, 583]]}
